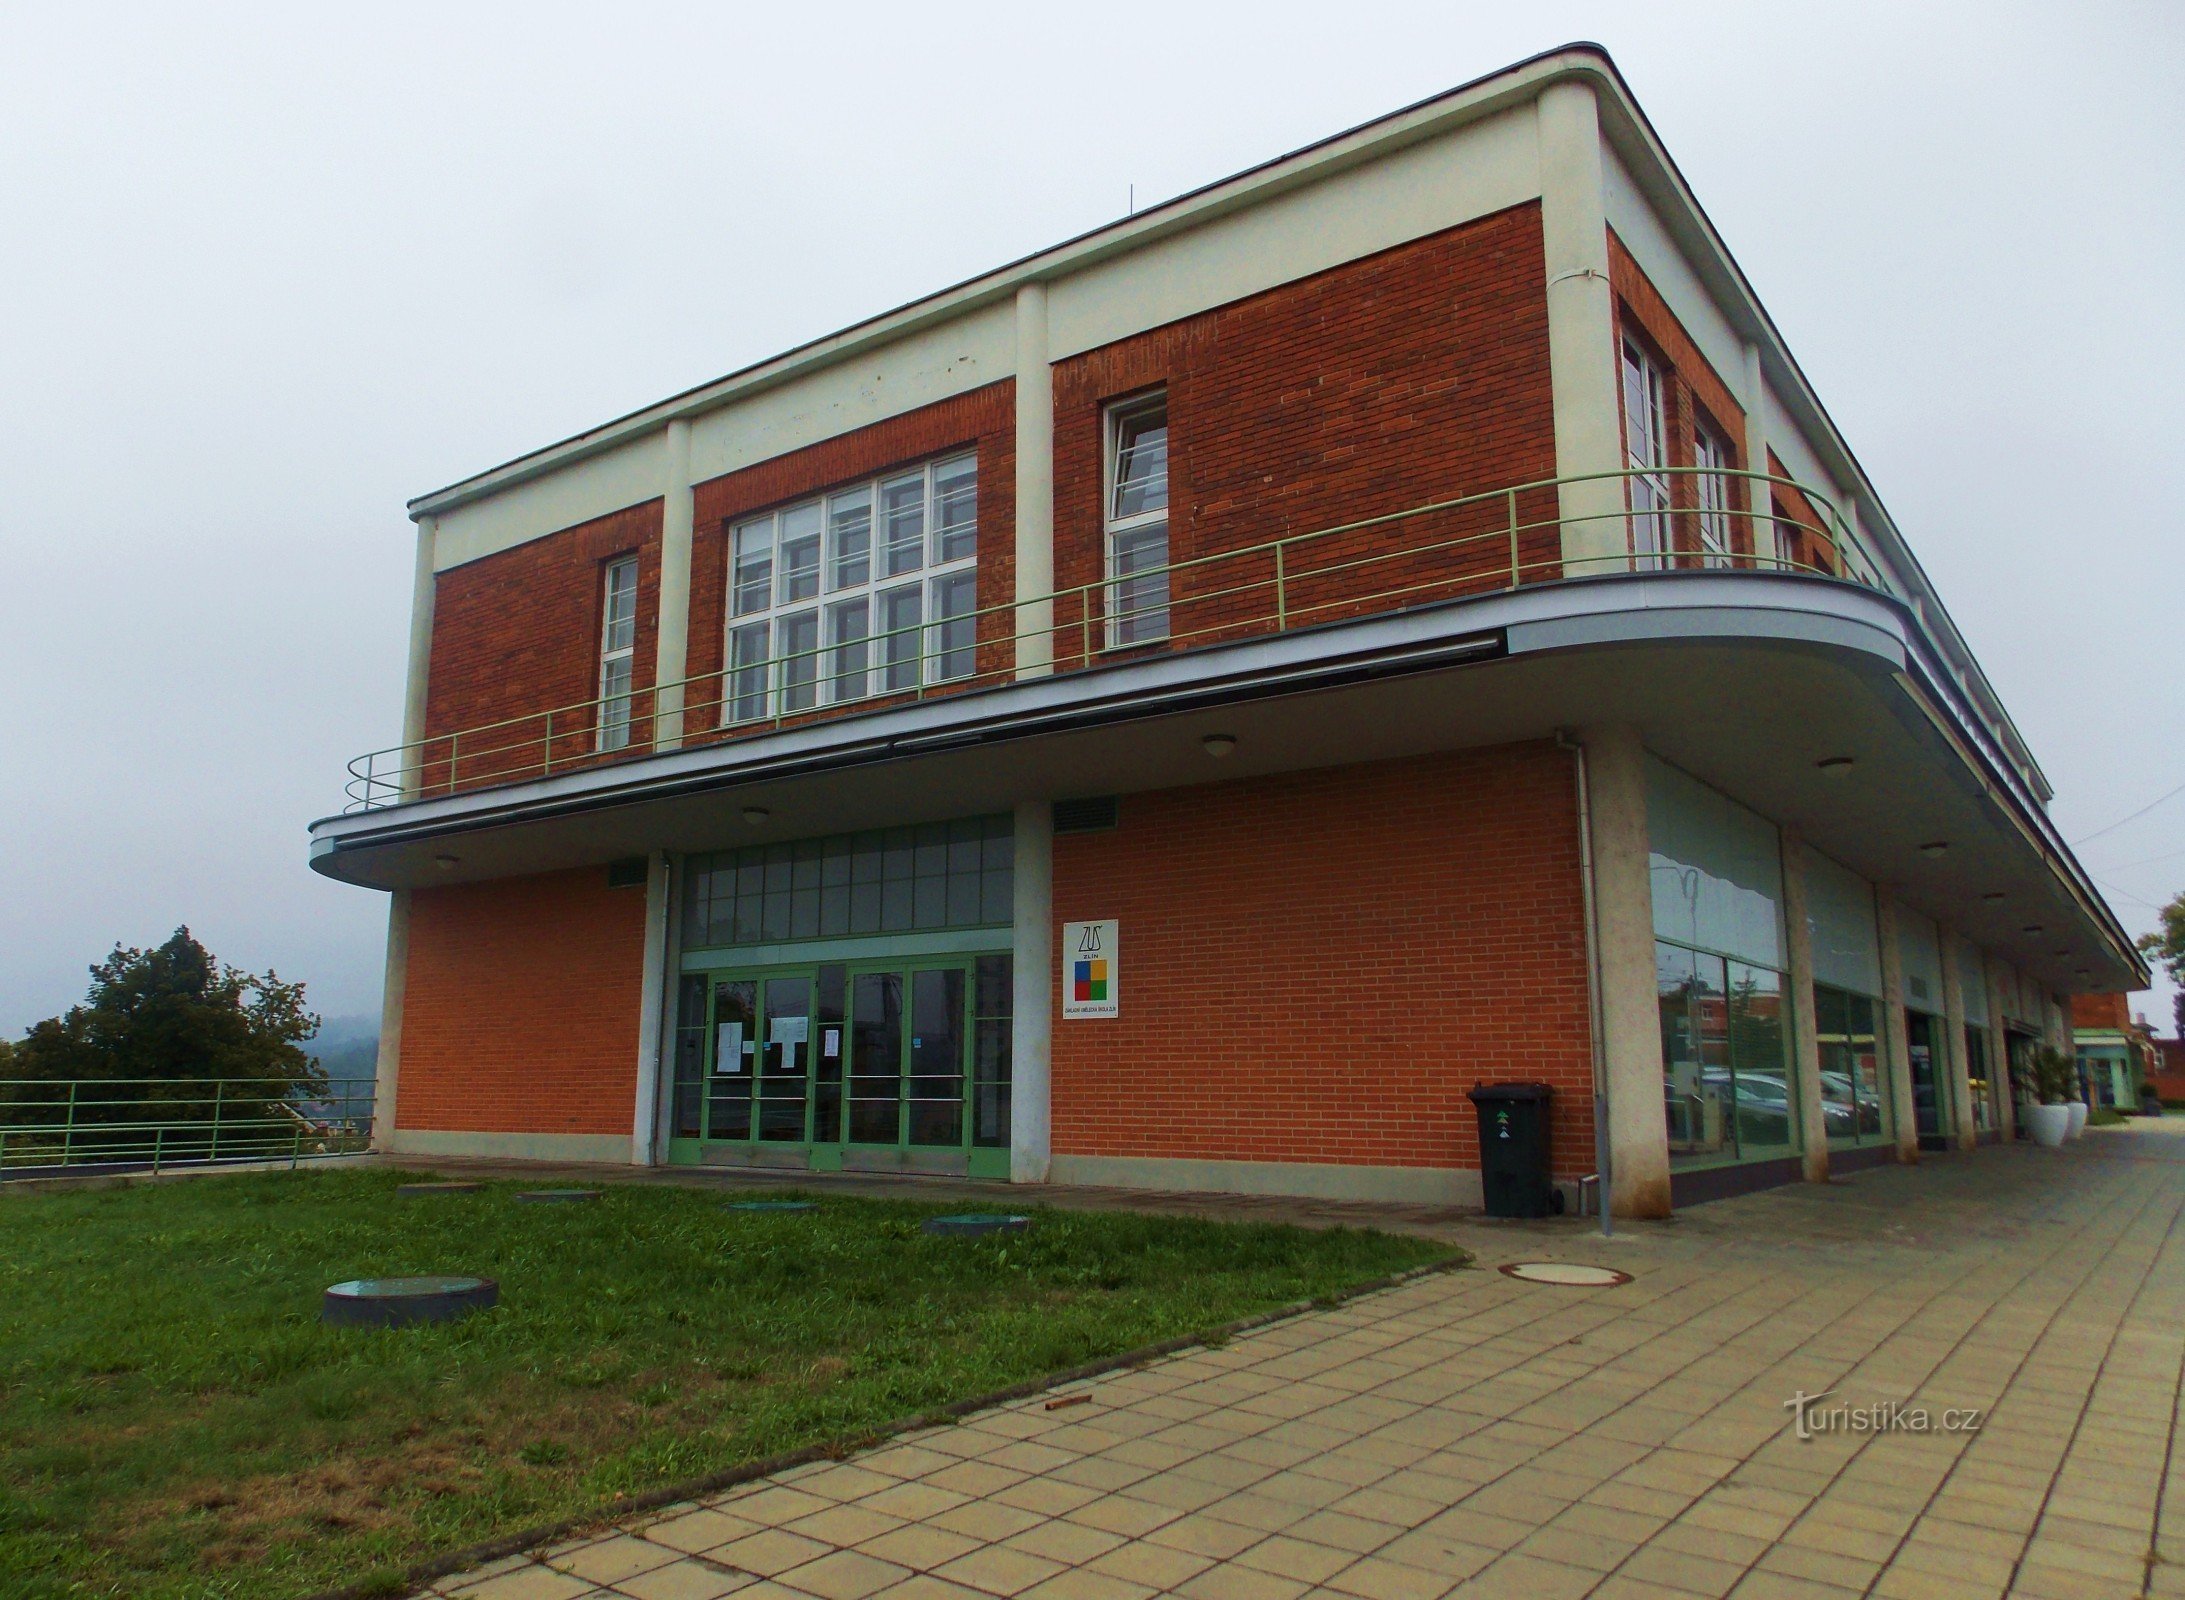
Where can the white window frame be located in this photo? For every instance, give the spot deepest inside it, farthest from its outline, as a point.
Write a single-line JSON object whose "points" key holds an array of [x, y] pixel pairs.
{"points": [[617, 653], [1646, 454], [1711, 454], [1148, 624], [851, 666]]}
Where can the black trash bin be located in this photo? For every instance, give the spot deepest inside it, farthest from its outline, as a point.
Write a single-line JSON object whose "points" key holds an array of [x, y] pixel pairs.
{"points": [[1513, 1148]]}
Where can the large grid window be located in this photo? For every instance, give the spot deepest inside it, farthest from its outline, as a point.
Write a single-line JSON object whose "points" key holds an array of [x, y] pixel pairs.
{"points": [[1646, 453], [1136, 519], [870, 590], [932, 876], [1725, 1058], [1711, 454], [617, 652]]}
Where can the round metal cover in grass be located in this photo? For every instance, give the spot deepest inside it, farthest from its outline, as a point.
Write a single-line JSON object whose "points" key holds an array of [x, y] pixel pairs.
{"points": [[439, 1188], [1567, 1274], [972, 1222], [548, 1197], [772, 1205], [398, 1302]]}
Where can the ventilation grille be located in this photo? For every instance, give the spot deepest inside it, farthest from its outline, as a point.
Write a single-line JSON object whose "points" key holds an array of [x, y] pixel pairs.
{"points": [[1096, 814]]}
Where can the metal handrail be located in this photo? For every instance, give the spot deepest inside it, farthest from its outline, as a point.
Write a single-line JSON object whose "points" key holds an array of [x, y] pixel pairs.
{"points": [[447, 763], [52, 1124]]}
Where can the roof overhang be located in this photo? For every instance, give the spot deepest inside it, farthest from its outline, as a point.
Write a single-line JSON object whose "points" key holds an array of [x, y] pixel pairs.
{"points": [[1745, 680]]}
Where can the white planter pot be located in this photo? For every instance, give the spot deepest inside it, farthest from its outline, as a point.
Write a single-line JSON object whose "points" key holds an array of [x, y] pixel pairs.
{"points": [[2049, 1125], [2077, 1108]]}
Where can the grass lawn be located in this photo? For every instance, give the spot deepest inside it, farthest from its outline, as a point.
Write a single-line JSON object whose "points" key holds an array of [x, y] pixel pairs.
{"points": [[175, 1421]]}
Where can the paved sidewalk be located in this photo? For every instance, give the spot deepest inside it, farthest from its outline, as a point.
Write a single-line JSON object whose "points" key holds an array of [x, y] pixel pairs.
{"points": [[1474, 1435]]}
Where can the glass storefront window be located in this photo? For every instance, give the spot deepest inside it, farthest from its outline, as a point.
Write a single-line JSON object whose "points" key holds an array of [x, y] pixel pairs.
{"points": [[1726, 1066], [1976, 1071], [1932, 1113], [1854, 1088]]}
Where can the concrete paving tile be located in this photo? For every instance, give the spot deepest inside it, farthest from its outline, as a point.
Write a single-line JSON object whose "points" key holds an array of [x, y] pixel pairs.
{"points": [[685, 1580], [845, 1525], [1231, 1582], [1001, 1571], [530, 1582], [921, 1546], [612, 1559], [770, 1552], [845, 1575], [1290, 1557], [696, 1532], [987, 1521], [1156, 1566]]}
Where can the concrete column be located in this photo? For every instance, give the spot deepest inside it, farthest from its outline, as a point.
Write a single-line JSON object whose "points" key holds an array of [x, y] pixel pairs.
{"points": [[655, 1028], [1999, 1069], [388, 1071], [423, 588], [1766, 547], [1581, 331], [1953, 1024], [1805, 1031], [671, 658], [1623, 912], [1035, 649], [1031, 1034], [1893, 1024]]}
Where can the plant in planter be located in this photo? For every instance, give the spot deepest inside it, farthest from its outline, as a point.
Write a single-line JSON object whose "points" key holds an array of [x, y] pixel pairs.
{"points": [[2049, 1120]]}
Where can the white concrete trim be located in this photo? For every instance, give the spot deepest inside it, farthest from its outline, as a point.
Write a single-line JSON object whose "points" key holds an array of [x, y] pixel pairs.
{"points": [[1035, 486], [611, 1148], [1581, 328], [1999, 1065], [671, 654], [1805, 1028], [1947, 945], [1630, 1010], [387, 1071], [1755, 397], [424, 588], [1032, 974], [1306, 1180], [653, 1026]]}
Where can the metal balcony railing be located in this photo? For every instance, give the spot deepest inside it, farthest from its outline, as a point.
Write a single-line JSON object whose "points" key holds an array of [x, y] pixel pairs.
{"points": [[52, 1125], [1656, 520]]}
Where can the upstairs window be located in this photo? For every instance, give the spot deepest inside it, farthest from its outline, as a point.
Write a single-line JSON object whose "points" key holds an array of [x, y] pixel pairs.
{"points": [[870, 590], [1711, 454], [1645, 455], [1136, 518], [617, 652]]}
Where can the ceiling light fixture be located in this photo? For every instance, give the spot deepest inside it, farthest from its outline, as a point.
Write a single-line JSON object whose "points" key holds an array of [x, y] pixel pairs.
{"points": [[1218, 745], [2030, 929], [1836, 766], [445, 861], [1993, 895], [1934, 847], [756, 815]]}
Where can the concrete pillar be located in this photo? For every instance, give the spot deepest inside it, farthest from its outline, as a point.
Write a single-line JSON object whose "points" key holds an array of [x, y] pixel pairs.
{"points": [[1999, 1067], [387, 1072], [671, 657], [1893, 1024], [1623, 912], [1581, 332], [1766, 548], [1031, 1033], [1805, 1030], [1035, 648], [655, 1028], [1953, 1025], [423, 588]]}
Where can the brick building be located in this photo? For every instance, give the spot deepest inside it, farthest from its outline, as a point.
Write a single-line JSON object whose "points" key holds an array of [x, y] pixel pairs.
{"points": [[1181, 708]]}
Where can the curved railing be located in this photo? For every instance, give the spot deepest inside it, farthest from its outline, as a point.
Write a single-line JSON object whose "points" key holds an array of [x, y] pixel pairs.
{"points": [[1659, 520]]}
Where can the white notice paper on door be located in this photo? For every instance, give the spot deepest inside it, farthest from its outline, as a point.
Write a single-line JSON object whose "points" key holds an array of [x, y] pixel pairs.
{"points": [[728, 1047]]}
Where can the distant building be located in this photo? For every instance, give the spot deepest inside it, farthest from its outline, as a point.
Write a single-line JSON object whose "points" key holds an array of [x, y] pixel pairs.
{"points": [[2116, 1050], [1179, 709]]}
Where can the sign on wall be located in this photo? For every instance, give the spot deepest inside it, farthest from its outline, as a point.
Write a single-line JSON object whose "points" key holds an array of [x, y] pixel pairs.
{"points": [[1092, 969]]}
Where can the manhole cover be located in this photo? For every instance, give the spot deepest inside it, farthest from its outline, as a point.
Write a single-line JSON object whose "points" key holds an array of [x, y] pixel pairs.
{"points": [[1569, 1274], [397, 1302], [978, 1222], [772, 1205], [543, 1197]]}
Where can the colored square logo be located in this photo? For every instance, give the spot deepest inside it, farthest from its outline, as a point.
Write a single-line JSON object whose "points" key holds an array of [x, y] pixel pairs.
{"points": [[1089, 980]]}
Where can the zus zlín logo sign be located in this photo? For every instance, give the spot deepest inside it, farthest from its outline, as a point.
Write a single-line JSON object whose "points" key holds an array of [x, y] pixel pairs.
{"points": [[1092, 970]]}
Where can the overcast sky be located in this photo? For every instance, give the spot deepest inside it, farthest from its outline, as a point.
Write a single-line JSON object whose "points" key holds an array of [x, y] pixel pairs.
{"points": [[267, 273]]}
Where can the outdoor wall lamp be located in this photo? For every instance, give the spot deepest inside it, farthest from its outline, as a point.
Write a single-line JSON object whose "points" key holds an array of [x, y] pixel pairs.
{"points": [[1219, 745]]}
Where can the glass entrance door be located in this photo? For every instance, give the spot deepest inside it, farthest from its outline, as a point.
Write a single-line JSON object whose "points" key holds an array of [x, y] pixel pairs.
{"points": [[759, 1055], [910, 1052], [1931, 1107]]}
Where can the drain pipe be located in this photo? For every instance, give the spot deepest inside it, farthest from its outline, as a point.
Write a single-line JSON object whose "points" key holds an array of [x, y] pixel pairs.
{"points": [[1593, 979]]}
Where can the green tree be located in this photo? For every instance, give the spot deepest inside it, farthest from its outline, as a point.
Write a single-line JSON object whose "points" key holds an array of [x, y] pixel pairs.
{"points": [[156, 1026], [2167, 948]]}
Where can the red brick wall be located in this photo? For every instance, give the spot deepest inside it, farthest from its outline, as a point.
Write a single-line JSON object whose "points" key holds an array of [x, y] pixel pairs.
{"points": [[2100, 1011], [1412, 376], [1316, 967], [517, 633], [985, 419], [2168, 1078], [520, 1009]]}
